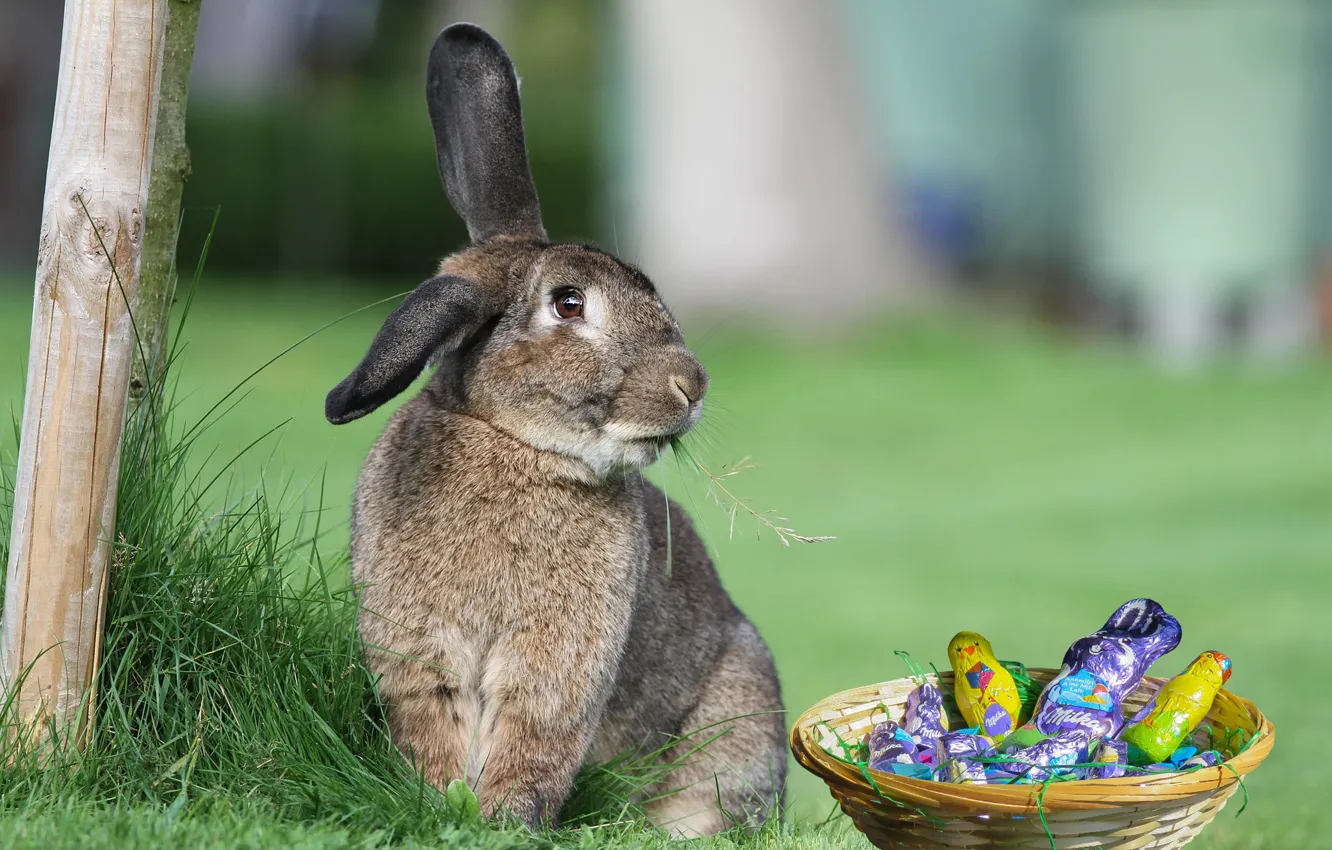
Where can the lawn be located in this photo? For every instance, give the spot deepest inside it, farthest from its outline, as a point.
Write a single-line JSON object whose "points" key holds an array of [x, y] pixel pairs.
{"points": [[969, 468]]}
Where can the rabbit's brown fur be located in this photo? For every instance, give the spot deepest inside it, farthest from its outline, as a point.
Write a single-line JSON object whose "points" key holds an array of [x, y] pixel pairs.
{"points": [[520, 598]]}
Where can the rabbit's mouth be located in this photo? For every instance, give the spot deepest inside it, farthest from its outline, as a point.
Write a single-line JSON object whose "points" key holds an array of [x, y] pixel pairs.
{"points": [[642, 451], [653, 436], [658, 444], [621, 445]]}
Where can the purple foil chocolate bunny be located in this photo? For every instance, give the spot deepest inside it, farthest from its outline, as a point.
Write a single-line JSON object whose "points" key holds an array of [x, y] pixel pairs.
{"points": [[1102, 669], [924, 716]]}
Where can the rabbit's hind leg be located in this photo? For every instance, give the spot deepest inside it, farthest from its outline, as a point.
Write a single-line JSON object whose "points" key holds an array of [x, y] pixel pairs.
{"points": [[731, 760]]}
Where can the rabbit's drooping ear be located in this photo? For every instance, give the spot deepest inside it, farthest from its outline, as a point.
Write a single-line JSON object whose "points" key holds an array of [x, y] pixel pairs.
{"points": [[441, 314], [472, 93]]}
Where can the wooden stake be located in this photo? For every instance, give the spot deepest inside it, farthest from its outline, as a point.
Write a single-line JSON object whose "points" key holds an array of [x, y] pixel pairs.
{"points": [[82, 349]]}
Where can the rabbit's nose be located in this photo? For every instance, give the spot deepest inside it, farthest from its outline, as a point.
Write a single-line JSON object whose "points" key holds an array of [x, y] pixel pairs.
{"points": [[690, 386], [682, 387]]}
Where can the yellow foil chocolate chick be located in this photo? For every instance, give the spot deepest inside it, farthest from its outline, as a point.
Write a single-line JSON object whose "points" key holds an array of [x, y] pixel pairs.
{"points": [[1181, 704], [985, 691]]}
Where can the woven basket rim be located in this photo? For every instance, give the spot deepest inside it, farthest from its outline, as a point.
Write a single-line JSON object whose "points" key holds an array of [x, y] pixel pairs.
{"points": [[1069, 795]]}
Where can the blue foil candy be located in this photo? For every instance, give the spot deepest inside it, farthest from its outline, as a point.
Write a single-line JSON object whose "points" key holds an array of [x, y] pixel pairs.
{"points": [[1181, 755]]}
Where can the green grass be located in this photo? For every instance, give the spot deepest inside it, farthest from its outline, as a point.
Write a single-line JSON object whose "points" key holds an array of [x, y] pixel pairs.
{"points": [[977, 474]]}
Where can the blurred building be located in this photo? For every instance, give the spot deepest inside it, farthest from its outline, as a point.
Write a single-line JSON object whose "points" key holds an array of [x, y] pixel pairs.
{"points": [[750, 181], [793, 158]]}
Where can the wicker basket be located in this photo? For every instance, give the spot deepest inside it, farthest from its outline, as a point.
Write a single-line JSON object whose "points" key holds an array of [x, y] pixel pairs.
{"points": [[1165, 810]]}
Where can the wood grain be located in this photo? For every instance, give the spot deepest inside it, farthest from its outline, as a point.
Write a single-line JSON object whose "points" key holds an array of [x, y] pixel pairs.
{"points": [[81, 350]]}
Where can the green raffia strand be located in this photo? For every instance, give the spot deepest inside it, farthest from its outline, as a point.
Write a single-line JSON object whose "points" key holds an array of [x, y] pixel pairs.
{"points": [[1240, 733], [1247, 744], [1243, 787], [857, 747], [913, 667], [1040, 810], [1029, 690], [1211, 734]]}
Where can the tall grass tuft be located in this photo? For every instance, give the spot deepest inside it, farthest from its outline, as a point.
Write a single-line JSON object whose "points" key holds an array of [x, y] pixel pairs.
{"points": [[223, 681]]}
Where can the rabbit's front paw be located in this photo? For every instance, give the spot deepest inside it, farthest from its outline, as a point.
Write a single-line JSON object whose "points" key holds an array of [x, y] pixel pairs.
{"points": [[526, 805], [531, 780]]}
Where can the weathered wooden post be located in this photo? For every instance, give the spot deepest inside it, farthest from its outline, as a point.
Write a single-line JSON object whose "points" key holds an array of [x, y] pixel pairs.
{"points": [[82, 350]]}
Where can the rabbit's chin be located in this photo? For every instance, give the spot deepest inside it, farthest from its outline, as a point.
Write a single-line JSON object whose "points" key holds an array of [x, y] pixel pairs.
{"points": [[617, 447], [607, 454]]}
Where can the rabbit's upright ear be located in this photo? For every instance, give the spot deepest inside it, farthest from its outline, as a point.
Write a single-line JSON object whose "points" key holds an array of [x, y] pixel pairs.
{"points": [[442, 314], [472, 93]]}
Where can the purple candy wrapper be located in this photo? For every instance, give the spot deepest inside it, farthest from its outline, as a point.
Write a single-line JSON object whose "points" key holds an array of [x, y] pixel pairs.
{"points": [[953, 752], [889, 744], [924, 718], [1111, 758], [1050, 757], [997, 723], [1184, 758], [1102, 669], [1207, 758]]}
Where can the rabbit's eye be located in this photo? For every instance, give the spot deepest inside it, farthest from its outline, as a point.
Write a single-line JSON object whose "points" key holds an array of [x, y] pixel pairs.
{"points": [[568, 303]]}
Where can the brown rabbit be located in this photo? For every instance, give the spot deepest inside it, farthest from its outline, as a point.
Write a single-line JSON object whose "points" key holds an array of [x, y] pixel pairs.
{"points": [[530, 602]]}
